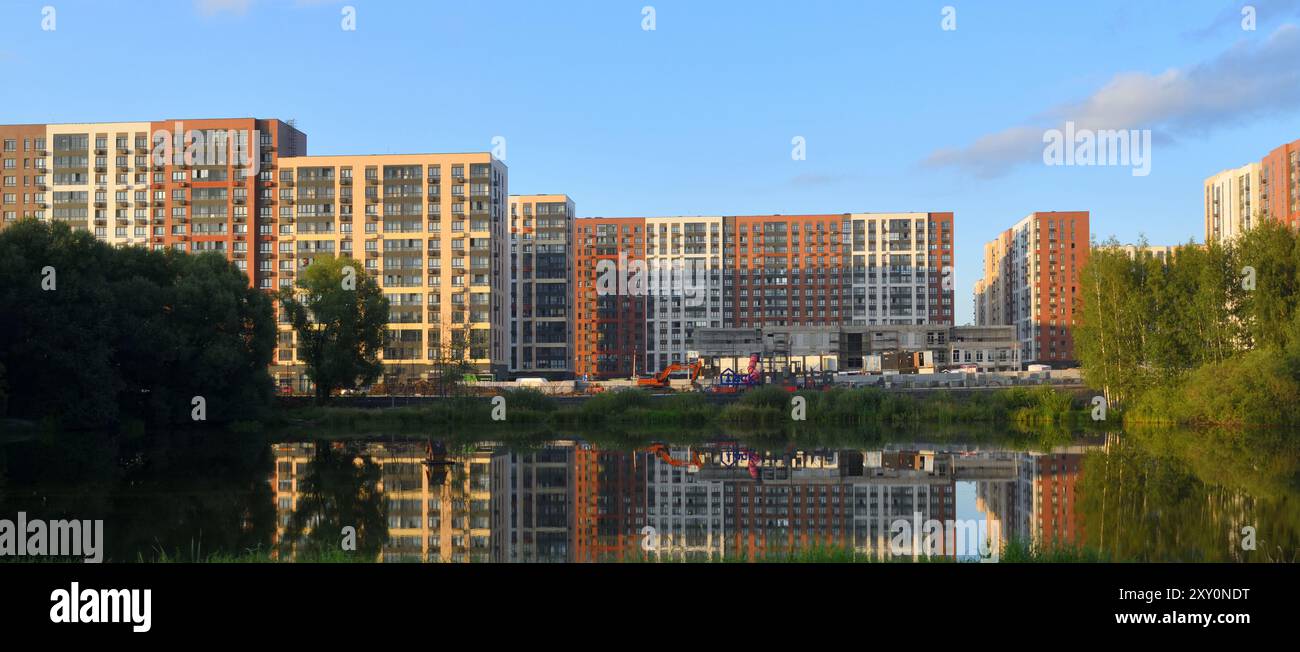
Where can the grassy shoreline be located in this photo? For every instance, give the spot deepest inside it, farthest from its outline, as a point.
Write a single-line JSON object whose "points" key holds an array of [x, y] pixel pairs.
{"points": [[768, 408]]}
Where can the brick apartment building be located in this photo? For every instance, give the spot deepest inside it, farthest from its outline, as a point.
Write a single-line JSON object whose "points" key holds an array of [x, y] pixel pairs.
{"points": [[1031, 280]]}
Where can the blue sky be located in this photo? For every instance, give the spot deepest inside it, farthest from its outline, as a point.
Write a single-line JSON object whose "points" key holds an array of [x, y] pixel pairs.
{"points": [[697, 116]]}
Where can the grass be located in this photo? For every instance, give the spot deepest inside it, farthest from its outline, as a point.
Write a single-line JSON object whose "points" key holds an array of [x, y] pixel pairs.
{"points": [[767, 408], [1041, 406]]}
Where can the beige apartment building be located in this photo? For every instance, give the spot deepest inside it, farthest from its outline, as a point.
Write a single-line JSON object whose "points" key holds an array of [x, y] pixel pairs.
{"points": [[430, 228], [1232, 202], [1268, 190]]}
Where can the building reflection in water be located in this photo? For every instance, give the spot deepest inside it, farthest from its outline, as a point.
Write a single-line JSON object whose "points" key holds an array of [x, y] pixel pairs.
{"points": [[566, 501]]}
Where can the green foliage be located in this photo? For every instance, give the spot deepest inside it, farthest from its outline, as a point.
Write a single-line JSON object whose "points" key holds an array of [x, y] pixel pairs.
{"points": [[340, 318], [1142, 323], [767, 409], [1207, 338], [1257, 387], [1019, 551], [128, 333], [871, 406], [639, 407], [528, 399]]}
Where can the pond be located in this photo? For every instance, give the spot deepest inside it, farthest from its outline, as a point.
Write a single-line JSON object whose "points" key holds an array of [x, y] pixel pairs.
{"points": [[969, 495]]}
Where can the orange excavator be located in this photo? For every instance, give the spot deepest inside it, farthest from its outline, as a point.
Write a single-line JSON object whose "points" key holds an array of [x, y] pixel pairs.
{"points": [[661, 379], [661, 451]]}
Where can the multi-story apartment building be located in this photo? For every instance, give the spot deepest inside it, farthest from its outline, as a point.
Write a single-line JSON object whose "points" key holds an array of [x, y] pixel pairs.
{"points": [[190, 185], [24, 154], [1031, 278], [541, 286], [751, 272], [431, 229], [1268, 190], [244, 188], [1162, 253], [784, 270], [684, 292], [609, 317], [1279, 194], [901, 268], [1232, 202]]}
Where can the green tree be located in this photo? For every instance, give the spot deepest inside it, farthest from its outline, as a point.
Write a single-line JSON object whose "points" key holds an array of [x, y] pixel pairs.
{"points": [[1267, 256], [99, 334], [1112, 321], [340, 318]]}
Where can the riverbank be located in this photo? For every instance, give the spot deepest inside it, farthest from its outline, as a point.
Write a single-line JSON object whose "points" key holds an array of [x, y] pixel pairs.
{"points": [[764, 408]]}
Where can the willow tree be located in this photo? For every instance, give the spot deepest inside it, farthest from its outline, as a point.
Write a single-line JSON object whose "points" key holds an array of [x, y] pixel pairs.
{"points": [[340, 318]]}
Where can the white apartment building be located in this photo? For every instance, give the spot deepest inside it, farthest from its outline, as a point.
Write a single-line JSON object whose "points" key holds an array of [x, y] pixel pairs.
{"points": [[1232, 202], [900, 268], [684, 284]]}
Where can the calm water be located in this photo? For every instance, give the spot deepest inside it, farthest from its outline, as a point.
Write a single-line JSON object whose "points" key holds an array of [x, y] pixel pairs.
{"points": [[1159, 495]]}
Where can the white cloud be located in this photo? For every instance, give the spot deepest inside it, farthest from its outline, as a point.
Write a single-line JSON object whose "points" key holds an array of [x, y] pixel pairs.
{"points": [[1245, 82]]}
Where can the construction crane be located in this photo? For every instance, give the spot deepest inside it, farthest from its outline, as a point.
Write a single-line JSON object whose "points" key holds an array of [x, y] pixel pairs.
{"points": [[661, 379]]}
